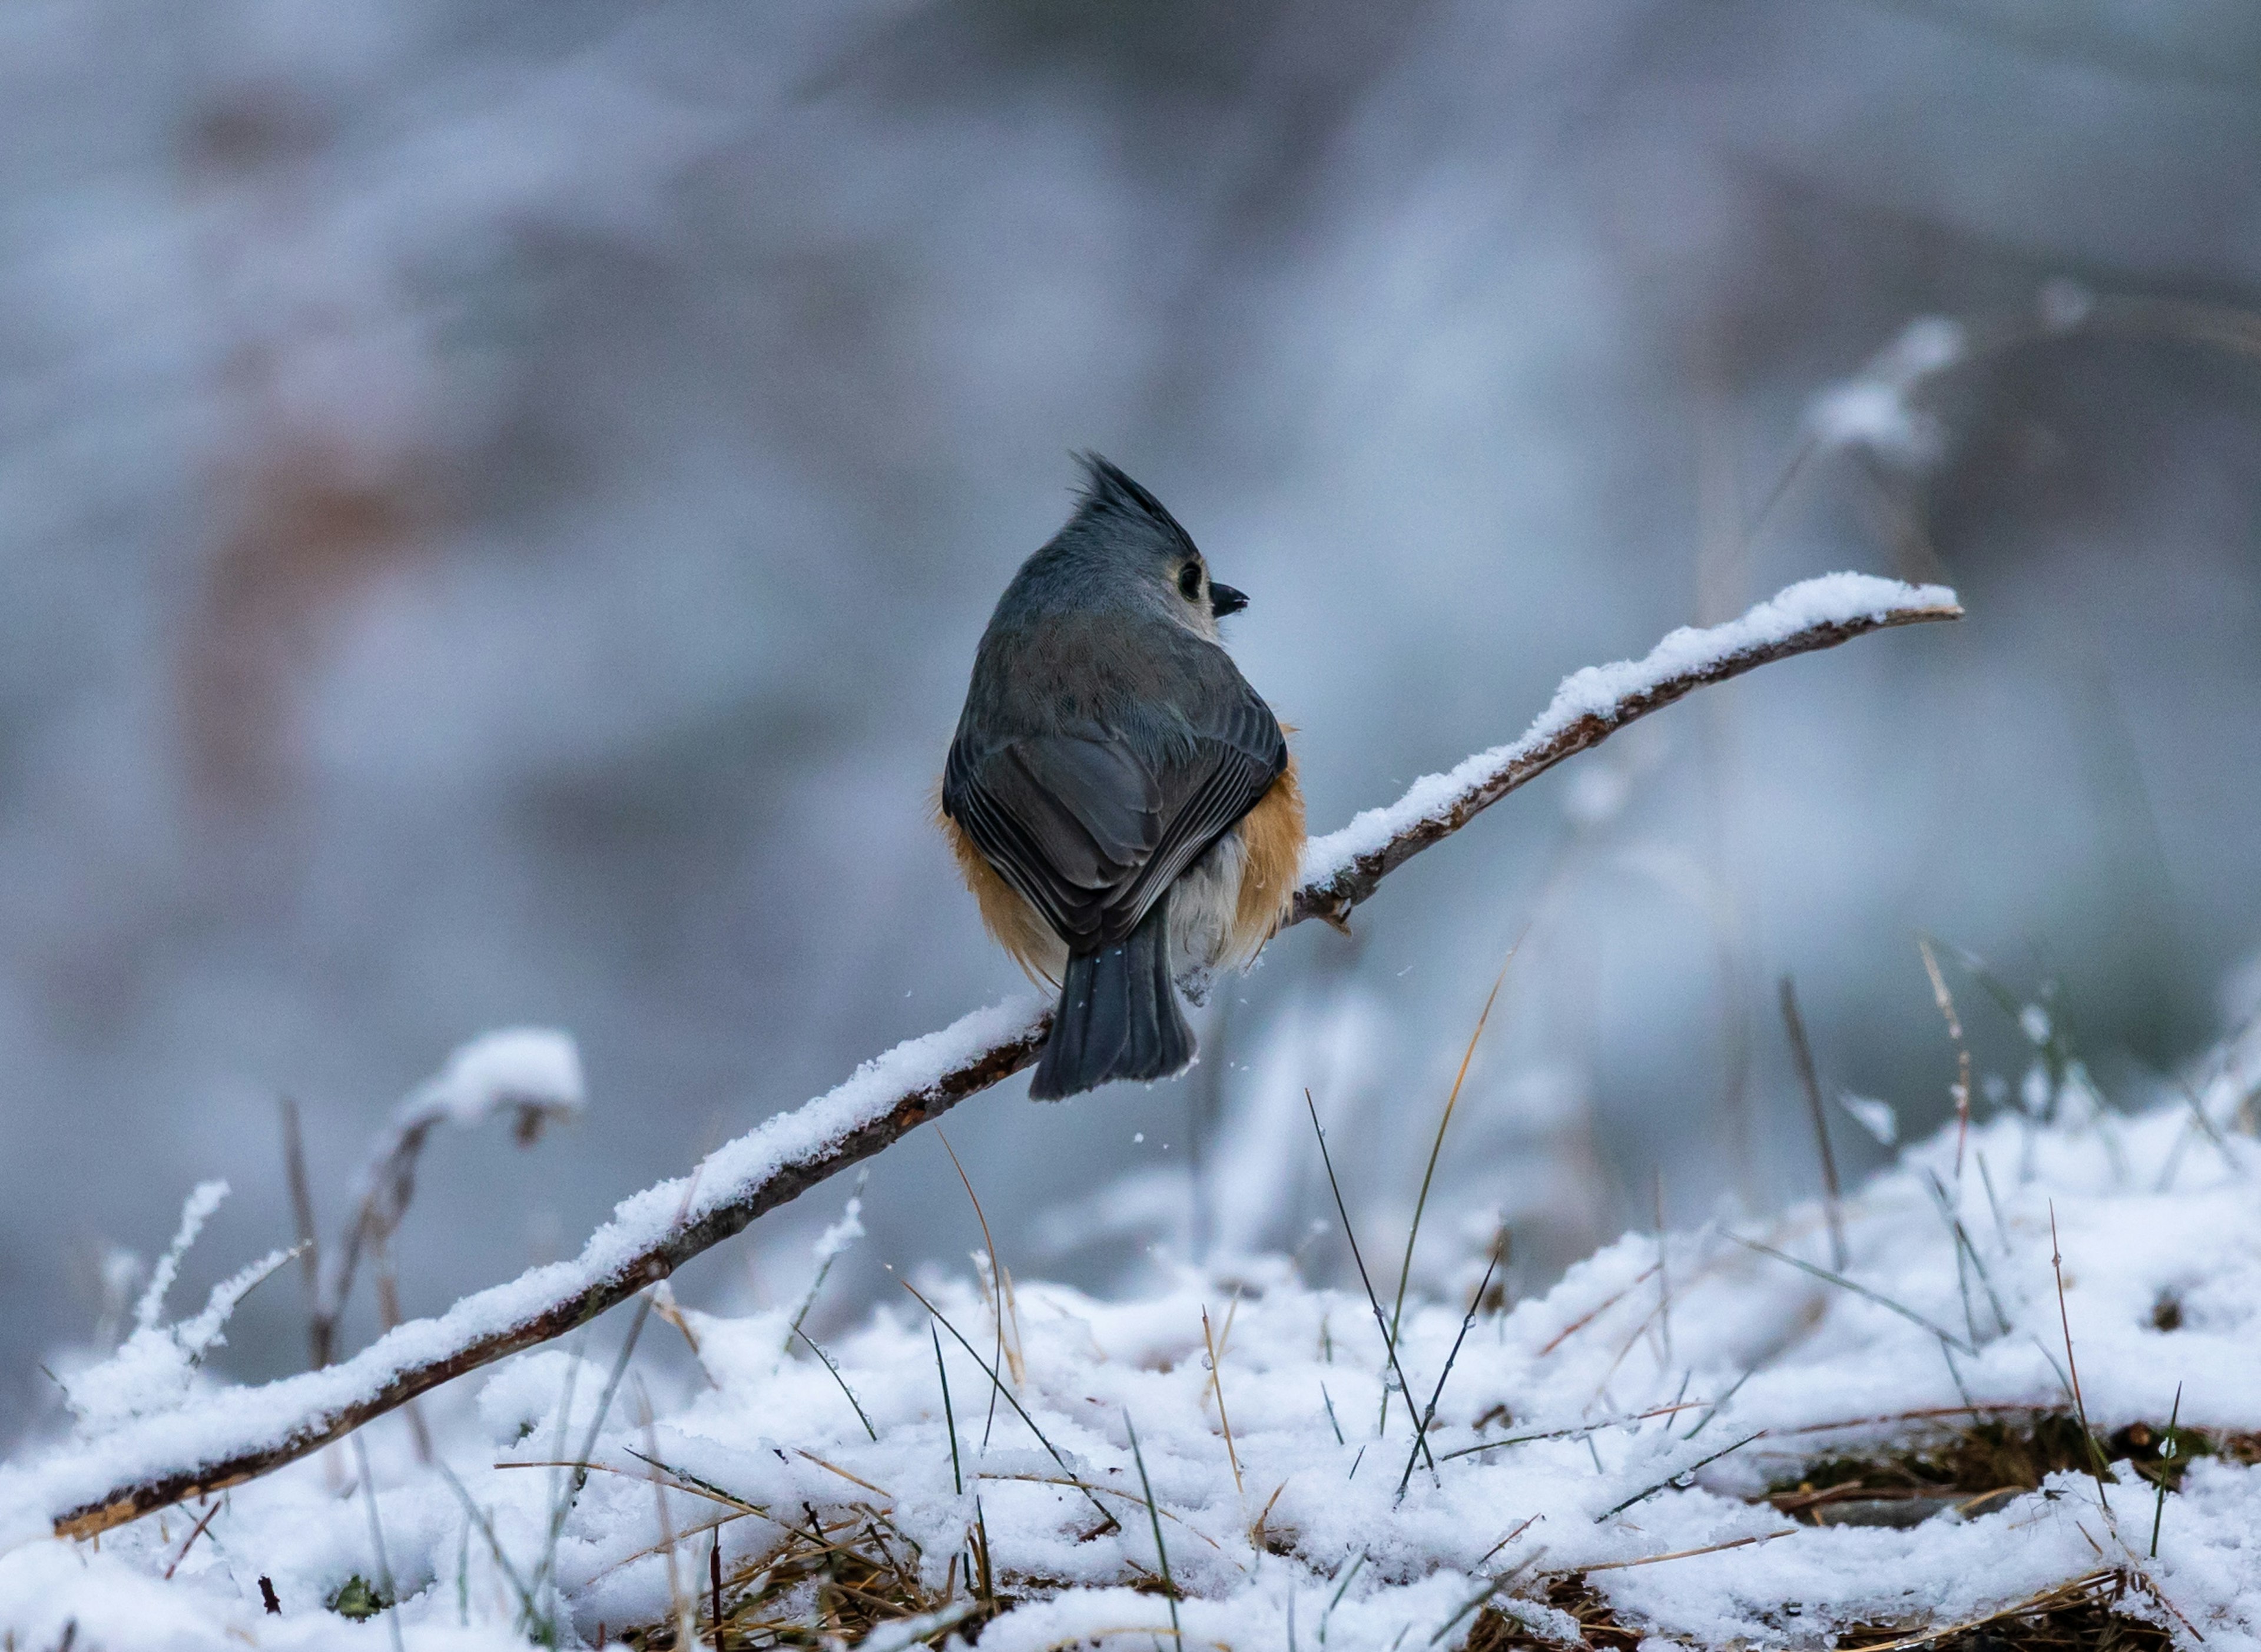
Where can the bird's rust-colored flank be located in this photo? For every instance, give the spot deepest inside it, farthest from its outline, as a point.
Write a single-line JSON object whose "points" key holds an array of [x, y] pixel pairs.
{"points": [[1272, 854], [1272, 841], [1012, 922]]}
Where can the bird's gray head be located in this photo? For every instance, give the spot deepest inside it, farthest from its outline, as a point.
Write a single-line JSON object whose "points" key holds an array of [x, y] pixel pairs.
{"points": [[1121, 534]]}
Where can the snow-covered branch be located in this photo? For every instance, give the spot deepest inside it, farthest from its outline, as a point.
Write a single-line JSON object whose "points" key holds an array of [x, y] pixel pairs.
{"points": [[225, 1438], [1343, 868]]}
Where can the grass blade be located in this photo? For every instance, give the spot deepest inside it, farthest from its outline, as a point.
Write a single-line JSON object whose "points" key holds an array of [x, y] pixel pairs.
{"points": [[1437, 1146], [1421, 1423], [996, 1275], [997, 1384], [1679, 1474], [1154, 1515], [949, 1417], [377, 1540], [1388, 1342], [1858, 1290], [2166, 1451], [844, 1388]]}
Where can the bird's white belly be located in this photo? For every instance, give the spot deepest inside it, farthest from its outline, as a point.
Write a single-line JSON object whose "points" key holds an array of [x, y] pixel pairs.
{"points": [[1204, 902]]}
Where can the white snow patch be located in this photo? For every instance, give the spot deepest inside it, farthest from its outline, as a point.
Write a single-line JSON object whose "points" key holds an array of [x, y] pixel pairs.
{"points": [[514, 1070], [1877, 408], [37, 1488], [1877, 1117], [1552, 1452]]}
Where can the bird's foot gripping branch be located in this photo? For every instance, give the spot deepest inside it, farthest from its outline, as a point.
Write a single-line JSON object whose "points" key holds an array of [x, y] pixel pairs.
{"points": [[216, 1439]]}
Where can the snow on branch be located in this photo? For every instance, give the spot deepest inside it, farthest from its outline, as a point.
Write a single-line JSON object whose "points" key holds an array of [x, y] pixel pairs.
{"points": [[1342, 869], [225, 1438]]}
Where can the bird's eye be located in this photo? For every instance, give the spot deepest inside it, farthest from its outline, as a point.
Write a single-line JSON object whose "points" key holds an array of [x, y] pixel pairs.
{"points": [[1189, 581]]}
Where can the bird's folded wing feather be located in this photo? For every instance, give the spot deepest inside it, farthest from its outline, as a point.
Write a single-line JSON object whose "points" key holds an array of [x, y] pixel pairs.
{"points": [[1090, 835]]}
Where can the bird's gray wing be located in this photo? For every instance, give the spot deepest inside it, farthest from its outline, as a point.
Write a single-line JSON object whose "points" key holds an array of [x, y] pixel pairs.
{"points": [[1067, 822], [1090, 834], [1237, 756]]}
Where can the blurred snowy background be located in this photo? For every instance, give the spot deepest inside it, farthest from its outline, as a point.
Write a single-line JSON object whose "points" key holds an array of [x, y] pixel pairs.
{"points": [[497, 501]]}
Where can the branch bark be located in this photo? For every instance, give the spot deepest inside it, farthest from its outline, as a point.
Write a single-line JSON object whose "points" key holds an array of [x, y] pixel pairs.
{"points": [[240, 1440]]}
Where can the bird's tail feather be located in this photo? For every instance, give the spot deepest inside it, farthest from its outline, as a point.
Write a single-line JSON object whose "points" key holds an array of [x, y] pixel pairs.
{"points": [[1118, 1016]]}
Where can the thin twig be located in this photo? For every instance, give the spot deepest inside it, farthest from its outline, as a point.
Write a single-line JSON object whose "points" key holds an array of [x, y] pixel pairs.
{"points": [[491, 1324], [198, 1531], [1596, 1312]]}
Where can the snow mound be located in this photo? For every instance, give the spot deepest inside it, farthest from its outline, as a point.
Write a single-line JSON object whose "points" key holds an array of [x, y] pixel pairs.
{"points": [[1628, 1426]]}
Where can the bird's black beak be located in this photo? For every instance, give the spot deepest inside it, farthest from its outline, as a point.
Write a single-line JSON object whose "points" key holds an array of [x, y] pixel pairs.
{"points": [[1224, 599]]}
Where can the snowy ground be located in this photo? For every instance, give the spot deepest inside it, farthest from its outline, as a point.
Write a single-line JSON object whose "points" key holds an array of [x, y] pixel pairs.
{"points": [[1306, 1528]]}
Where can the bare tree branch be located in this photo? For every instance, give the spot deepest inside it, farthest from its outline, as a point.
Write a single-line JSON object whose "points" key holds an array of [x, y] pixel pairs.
{"points": [[240, 1433]]}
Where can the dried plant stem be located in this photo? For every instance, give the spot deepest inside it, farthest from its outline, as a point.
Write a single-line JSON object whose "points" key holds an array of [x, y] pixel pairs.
{"points": [[1802, 1053], [1332, 895], [1684, 1554], [1945, 1000], [1216, 1386], [386, 1283], [302, 1201], [997, 1283], [1436, 1146], [2072, 1367], [174, 1565]]}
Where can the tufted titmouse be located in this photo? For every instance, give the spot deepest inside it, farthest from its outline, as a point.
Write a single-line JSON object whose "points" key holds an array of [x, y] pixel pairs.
{"points": [[1121, 801]]}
